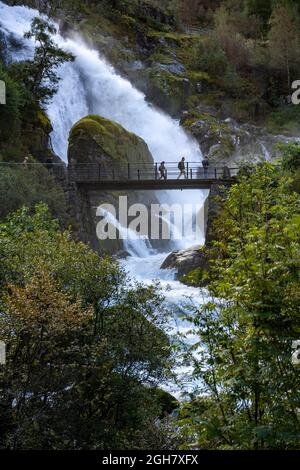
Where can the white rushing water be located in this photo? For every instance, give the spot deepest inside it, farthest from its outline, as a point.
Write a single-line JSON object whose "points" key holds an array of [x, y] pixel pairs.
{"points": [[90, 85]]}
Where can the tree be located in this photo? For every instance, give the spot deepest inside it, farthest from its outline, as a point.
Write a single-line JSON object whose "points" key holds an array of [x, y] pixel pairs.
{"points": [[261, 9], [85, 349], [29, 186], [10, 123], [249, 389], [40, 74], [290, 156], [284, 39], [231, 40]]}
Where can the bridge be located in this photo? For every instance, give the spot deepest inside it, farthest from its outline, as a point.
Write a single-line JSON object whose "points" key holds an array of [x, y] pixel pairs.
{"points": [[96, 176], [139, 176]]}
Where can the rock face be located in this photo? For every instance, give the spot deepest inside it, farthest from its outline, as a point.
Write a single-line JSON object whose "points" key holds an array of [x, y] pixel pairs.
{"points": [[95, 139], [226, 141], [185, 261]]}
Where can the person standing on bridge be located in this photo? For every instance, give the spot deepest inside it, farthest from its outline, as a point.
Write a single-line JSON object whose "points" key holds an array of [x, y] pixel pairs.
{"points": [[181, 168], [163, 171], [205, 164]]}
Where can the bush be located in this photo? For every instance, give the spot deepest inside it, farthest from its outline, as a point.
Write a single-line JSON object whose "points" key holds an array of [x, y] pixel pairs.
{"points": [[28, 186], [209, 57], [10, 113], [84, 347], [290, 156]]}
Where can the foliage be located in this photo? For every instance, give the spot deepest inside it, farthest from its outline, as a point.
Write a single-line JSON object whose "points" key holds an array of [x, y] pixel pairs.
{"points": [[248, 395], [284, 39], [30, 85], [39, 75], [210, 57], [10, 113], [290, 156], [260, 9], [28, 186], [84, 348]]}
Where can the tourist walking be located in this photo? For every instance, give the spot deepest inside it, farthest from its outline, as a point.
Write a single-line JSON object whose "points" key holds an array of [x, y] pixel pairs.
{"points": [[163, 171], [181, 168], [205, 164]]}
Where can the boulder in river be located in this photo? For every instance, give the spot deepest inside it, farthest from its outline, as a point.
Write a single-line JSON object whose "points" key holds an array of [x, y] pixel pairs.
{"points": [[185, 261]]}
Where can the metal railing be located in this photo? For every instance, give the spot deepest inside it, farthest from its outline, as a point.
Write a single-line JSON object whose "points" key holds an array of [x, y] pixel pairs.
{"points": [[94, 172]]}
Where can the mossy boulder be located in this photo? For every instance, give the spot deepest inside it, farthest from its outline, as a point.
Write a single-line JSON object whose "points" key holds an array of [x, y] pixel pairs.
{"points": [[186, 261], [95, 139]]}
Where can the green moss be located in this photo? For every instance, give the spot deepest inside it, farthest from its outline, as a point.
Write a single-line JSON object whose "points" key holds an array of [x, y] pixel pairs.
{"points": [[162, 58], [44, 120], [200, 76], [109, 135], [169, 83], [217, 132], [128, 21], [171, 36], [112, 139]]}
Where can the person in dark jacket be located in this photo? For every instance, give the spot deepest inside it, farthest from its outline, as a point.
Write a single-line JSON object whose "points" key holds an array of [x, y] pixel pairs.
{"points": [[205, 164], [163, 171], [181, 168]]}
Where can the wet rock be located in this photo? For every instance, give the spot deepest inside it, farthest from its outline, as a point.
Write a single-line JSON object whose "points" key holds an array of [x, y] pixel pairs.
{"points": [[185, 261], [122, 254], [176, 68]]}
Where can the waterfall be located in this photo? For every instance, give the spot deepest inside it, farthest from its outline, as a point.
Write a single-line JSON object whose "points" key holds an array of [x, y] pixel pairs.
{"points": [[133, 244], [91, 85]]}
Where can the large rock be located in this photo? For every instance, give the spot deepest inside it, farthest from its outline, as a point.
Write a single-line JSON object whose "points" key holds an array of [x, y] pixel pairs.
{"points": [[95, 139], [185, 261]]}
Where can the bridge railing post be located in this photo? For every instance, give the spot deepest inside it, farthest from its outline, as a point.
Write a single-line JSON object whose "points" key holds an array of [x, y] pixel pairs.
{"points": [[156, 171], [191, 173], [187, 170], [216, 173], [138, 175]]}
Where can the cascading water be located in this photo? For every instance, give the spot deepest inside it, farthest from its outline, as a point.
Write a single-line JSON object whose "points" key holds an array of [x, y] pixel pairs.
{"points": [[91, 85]]}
